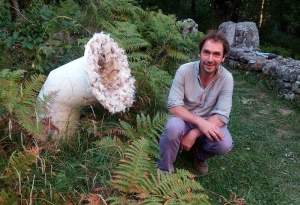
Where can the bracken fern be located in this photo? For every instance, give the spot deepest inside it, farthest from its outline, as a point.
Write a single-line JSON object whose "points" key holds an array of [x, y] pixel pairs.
{"points": [[136, 177], [18, 99]]}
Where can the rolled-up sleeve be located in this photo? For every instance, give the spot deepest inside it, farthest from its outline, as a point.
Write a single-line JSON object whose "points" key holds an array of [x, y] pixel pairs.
{"points": [[224, 103]]}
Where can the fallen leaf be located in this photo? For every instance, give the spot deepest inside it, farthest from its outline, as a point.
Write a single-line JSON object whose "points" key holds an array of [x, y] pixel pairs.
{"points": [[246, 101]]}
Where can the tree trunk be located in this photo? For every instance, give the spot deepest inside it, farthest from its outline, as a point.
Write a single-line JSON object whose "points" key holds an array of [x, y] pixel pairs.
{"points": [[14, 9], [261, 14]]}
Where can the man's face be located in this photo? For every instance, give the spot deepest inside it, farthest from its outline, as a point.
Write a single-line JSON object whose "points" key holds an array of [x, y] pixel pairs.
{"points": [[211, 56]]}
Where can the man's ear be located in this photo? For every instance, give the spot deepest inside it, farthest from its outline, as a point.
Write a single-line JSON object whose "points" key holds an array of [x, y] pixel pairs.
{"points": [[199, 54], [223, 58]]}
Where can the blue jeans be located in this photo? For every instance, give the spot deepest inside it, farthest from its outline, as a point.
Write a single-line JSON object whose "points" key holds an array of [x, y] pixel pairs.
{"points": [[169, 143]]}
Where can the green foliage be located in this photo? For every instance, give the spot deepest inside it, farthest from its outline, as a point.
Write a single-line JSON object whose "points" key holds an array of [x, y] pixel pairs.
{"points": [[179, 188], [17, 177], [132, 169], [164, 33], [42, 37], [146, 129], [18, 166], [277, 50], [136, 175], [281, 43], [150, 129], [17, 98], [68, 8]]}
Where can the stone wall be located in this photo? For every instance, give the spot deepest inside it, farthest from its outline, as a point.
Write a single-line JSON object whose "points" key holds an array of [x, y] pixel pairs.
{"points": [[284, 73]]}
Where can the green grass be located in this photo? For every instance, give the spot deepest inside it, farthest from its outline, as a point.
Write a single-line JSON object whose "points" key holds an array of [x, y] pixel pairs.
{"points": [[264, 165]]}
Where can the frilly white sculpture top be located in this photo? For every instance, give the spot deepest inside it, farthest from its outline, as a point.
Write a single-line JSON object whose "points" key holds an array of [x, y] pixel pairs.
{"points": [[109, 73]]}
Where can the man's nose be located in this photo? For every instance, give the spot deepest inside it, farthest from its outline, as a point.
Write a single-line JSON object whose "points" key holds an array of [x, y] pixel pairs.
{"points": [[210, 57]]}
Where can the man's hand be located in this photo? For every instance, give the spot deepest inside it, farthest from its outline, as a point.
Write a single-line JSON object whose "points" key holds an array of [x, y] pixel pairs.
{"points": [[209, 127], [188, 140], [211, 130]]}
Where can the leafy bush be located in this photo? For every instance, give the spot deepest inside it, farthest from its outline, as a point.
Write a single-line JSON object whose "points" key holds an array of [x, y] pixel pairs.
{"points": [[279, 43], [40, 41]]}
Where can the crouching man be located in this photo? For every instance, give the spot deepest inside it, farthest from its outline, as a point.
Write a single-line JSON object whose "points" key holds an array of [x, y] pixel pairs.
{"points": [[200, 101]]}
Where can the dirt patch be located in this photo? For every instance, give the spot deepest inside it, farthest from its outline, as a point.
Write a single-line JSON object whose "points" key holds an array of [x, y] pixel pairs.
{"points": [[263, 112], [285, 111], [281, 132]]}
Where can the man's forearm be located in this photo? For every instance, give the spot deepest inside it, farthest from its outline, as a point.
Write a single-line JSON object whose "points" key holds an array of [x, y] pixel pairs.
{"points": [[182, 113], [216, 120], [213, 119], [185, 115]]}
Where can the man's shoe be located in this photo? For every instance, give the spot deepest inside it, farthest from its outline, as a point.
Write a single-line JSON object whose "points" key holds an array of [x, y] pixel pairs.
{"points": [[199, 165]]}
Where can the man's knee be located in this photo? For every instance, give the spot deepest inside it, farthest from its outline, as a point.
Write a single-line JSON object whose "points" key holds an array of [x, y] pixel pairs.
{"points": [[225, 147], [218, 148], [174, 129]]}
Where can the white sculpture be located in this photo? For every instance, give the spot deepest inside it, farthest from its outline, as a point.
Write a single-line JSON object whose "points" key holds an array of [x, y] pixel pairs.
{"points": [[102, 74]]}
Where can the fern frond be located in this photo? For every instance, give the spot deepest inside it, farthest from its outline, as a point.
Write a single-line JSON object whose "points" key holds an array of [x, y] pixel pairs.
{"points": [[19, 99], [136, 56], [10, 86], [17, 175], [159, 80], [129, 131], [135, 166], [151, 129], [32, 87], [127, 35], [108, 6], [95, 9], [177, 55], [156, 200], [109, 147], [178, 188], [12, 75], [121, 200], [135, 177], [19, 162], [137, 65], [26, 110], [146, 128], [122, 9]]}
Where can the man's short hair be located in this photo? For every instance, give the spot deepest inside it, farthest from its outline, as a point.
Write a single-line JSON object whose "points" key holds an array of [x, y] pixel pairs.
{"points": [[216, 36]]}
